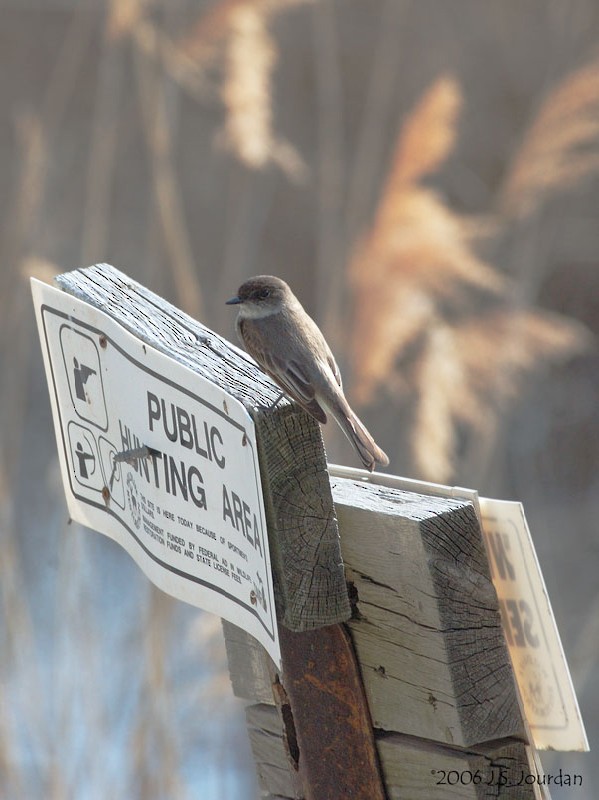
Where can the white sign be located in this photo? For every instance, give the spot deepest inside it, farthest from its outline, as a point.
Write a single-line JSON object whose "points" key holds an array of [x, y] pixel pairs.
{"points": [[531, 634], [160, 460], [544, 683]]}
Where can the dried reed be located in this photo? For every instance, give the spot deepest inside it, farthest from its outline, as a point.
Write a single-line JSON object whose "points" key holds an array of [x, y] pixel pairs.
{"points": [[559, 149], [428, 134], [424, 300], [234, 32], [250, 58], [417, 253], [123, 16], [157, 128], [213, 25]]}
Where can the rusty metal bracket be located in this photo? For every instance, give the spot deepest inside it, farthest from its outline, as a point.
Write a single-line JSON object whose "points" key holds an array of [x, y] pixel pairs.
{"points": [[331, 721]]}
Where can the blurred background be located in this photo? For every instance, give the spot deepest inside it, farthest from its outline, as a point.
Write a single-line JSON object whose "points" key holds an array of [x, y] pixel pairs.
{"points": [[426, 176]]}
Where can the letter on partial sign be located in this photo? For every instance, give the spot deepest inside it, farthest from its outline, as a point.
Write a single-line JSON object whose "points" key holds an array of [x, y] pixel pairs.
{"points": [[499, 545]]}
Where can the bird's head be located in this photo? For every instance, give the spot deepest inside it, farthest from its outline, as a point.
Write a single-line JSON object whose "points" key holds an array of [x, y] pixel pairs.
{"points": [[261, 296]]}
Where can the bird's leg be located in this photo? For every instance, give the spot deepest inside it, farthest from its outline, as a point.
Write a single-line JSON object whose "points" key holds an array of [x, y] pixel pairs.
{"points": [[273, 405]]}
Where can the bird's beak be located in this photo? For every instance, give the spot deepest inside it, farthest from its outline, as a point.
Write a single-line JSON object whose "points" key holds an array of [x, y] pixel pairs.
{"points": [[234, 301]]}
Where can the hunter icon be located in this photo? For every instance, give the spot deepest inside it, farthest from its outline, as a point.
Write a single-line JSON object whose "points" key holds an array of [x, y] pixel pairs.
{"points": [[83, 458]]}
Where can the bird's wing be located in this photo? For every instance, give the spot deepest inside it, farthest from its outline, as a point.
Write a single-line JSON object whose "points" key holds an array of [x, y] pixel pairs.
{"points": [[290, 376], [334, 368], [286, 372]]}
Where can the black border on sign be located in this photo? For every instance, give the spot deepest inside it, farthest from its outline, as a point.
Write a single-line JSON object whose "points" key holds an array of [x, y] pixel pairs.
{"points": [[102, 507]]}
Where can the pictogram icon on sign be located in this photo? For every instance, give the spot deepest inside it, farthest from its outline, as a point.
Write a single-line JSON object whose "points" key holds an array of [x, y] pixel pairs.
{"points": [[80, 375], [84, 457], [83, 369]]}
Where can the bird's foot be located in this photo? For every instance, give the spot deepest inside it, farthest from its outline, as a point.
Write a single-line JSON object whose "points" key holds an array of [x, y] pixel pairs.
{"points": [[270, 406]]}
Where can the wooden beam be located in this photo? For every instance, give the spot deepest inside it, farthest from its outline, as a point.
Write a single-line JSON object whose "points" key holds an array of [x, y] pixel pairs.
{"points": [[276, 774], [427, 628], [422, 770], [413, 768], [305, 548]]}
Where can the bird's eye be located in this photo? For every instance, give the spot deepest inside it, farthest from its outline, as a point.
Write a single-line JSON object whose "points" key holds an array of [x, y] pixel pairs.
{"points": [[263, 294]]}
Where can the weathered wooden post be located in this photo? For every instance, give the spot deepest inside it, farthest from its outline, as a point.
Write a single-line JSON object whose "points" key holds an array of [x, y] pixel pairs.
{"points": [[394, 678], [318, 691]]}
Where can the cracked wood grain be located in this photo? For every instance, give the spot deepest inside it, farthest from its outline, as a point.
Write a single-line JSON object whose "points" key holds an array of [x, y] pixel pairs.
{"points": [[427, 629], [414, 769]]}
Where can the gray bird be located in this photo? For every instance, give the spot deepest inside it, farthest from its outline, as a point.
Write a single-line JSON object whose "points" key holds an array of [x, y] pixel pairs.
{"points": [[276, 330]]}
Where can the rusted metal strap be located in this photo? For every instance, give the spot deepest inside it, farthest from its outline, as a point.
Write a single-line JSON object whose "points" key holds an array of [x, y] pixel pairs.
{"points": [[331, 730]]}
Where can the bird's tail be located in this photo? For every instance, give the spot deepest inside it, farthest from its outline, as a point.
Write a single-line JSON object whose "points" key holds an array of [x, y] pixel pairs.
{"points": [[368, 450]]}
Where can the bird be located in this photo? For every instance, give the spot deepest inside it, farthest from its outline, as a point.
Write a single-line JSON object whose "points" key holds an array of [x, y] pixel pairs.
{"points": [[290, 347]]}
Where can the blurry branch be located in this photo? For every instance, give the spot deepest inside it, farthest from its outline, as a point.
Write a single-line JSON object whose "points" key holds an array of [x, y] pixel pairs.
{"points": [[18, 656], [35, 131], [157, 130], [184, 64], [27, 730], [560, 147], [77, 713], [154, 745], [39, 268], [430, 316], [24, 228], [67, 68], [15, 329], [330, 178], [375, 118], [129, 19], [32, 144], [104, 132], [189, 72], [184, 670]]}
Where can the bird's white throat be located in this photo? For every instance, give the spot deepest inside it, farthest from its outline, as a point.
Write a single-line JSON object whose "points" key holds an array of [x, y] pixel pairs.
{"points": [[254, 311]]}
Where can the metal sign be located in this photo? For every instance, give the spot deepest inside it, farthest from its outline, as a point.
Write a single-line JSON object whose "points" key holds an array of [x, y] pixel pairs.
{"points": [[530, 629], [160, 460]]}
